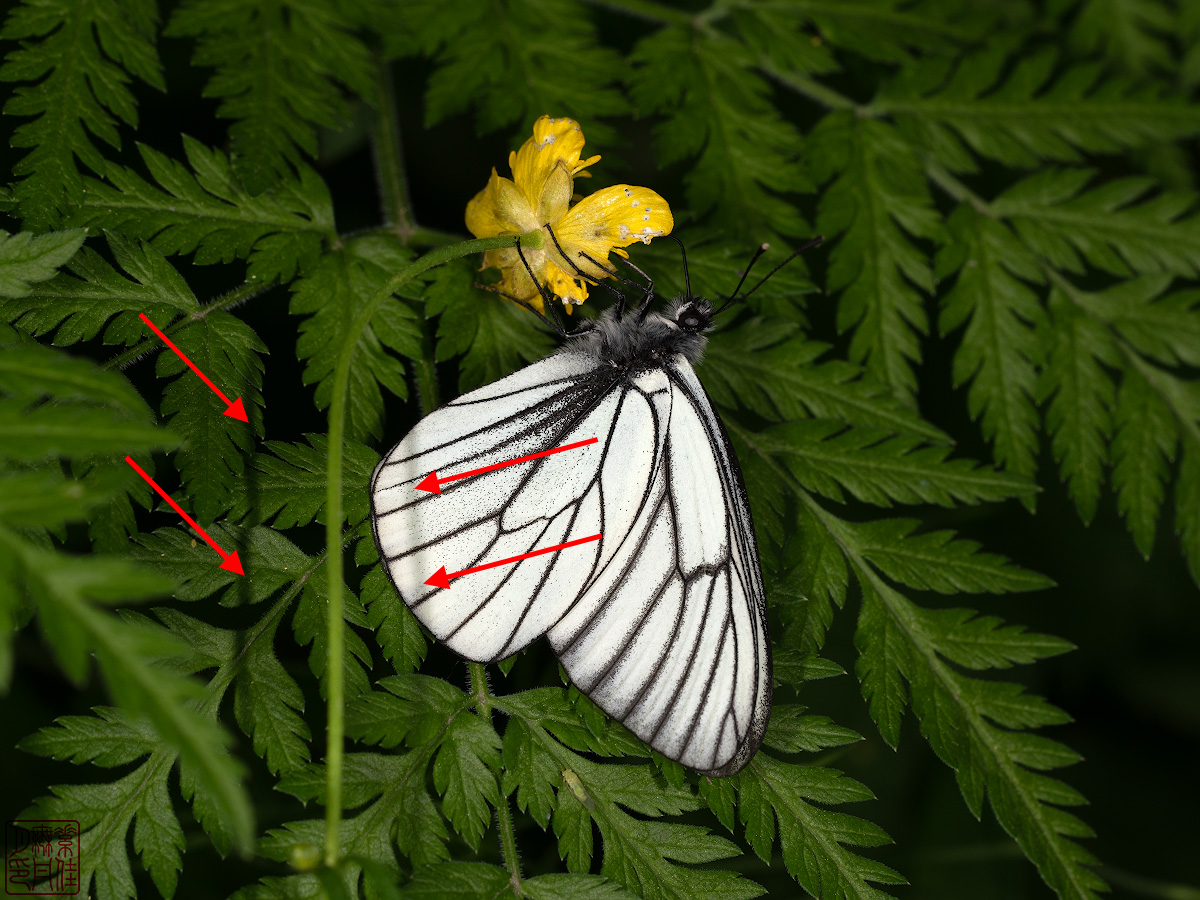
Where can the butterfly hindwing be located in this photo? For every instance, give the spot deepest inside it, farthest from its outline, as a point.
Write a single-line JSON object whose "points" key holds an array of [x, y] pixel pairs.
{"points": [[672, 638]]}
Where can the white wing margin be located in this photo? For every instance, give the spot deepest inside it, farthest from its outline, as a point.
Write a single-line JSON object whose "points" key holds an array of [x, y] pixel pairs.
{"points": [[671, 638]]}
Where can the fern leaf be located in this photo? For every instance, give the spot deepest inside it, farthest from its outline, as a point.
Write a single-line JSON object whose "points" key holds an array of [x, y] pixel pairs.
{"points": [[718, 114], [1079, 413], [207, 211], [881, 469], [212, 459], [877, 202], [638, 852], [280, 70], [1111, 227], [494, 337], [807, 594], [790, 731], [937, 561], [1162, 327], [1182, 398], [892, 31], [77, 306], [102, 485], [956, 715], [984, 642], [96, 416], [574, 887], [268, 703], [109, 738], [399, 633], [424, 713], [66, 591], [288, 485], [1026, 116], [506, 62], [999, 348], [763, 365], [309, 627], [340, 284], [105, 813], [771, 33], [464, 773], [908, 655], [814, 840], [1131, 34], [1188, 24], [86, 52], [26, 259]]}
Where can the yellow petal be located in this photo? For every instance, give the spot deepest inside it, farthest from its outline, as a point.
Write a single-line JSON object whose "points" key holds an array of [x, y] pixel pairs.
{"points": [[608, 219], [545, 165], [499, 209], [564, 286]]}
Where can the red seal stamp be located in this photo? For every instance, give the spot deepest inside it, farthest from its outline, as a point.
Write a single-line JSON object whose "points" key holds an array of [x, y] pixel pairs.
{"points": [[41, 857]]}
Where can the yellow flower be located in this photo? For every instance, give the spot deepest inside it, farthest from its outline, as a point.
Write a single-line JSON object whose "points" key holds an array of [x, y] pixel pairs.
{"points": [[539, 195]]}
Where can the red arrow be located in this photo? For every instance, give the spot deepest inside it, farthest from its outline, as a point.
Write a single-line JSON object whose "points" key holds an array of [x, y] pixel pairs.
{"points": [[235, 409], [441, 578], [433, 484], [231, 562]]}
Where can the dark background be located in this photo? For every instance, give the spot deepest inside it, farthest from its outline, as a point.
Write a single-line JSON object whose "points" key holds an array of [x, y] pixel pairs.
{"points": [[1132, 687]]}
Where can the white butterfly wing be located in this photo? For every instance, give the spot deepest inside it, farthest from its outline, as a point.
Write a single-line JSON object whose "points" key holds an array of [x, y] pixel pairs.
{"points": [[663, 621], [671, 638]]}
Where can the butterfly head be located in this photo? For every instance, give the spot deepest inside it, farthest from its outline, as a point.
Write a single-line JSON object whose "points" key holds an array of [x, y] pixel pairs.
{"points": [[693, 315]]}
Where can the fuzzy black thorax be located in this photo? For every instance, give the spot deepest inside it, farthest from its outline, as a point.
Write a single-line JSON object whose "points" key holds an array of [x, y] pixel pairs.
{"points": [[639, 343]]}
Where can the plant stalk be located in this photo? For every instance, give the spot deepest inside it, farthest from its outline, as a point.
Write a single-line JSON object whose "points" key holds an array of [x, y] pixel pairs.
{"points": [[335, 624], [387, 148], [504, 824]]}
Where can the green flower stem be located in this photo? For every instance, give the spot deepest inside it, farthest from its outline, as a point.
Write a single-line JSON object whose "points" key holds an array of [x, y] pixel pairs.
{"points": [[388, 152], [335, 731], [504, 824], [233, 298], [425, 370]]}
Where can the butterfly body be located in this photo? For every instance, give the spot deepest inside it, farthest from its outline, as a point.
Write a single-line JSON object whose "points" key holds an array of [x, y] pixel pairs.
{"points": [[662, 622]]}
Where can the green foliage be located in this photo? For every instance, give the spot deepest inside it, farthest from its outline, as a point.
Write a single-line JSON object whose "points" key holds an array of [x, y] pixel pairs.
{"points": [[507, 61], [81, 54], [279, 71], [1033, 202], [207, 211]]}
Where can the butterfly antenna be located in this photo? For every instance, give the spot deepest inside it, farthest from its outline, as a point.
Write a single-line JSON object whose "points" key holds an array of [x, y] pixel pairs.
{"points": [[687, 278], [808, 245], [763, 248]]}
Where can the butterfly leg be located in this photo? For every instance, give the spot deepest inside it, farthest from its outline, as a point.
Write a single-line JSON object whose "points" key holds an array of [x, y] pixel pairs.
{"points": [[590, 279], [547, 302]]}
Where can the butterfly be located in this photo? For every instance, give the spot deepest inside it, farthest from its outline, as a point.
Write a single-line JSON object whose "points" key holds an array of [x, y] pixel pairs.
{"points": [[651, 594]]}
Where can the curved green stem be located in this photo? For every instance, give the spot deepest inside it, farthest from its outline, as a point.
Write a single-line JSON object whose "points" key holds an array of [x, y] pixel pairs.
{"points": [[504, 823], [335, 730]]}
